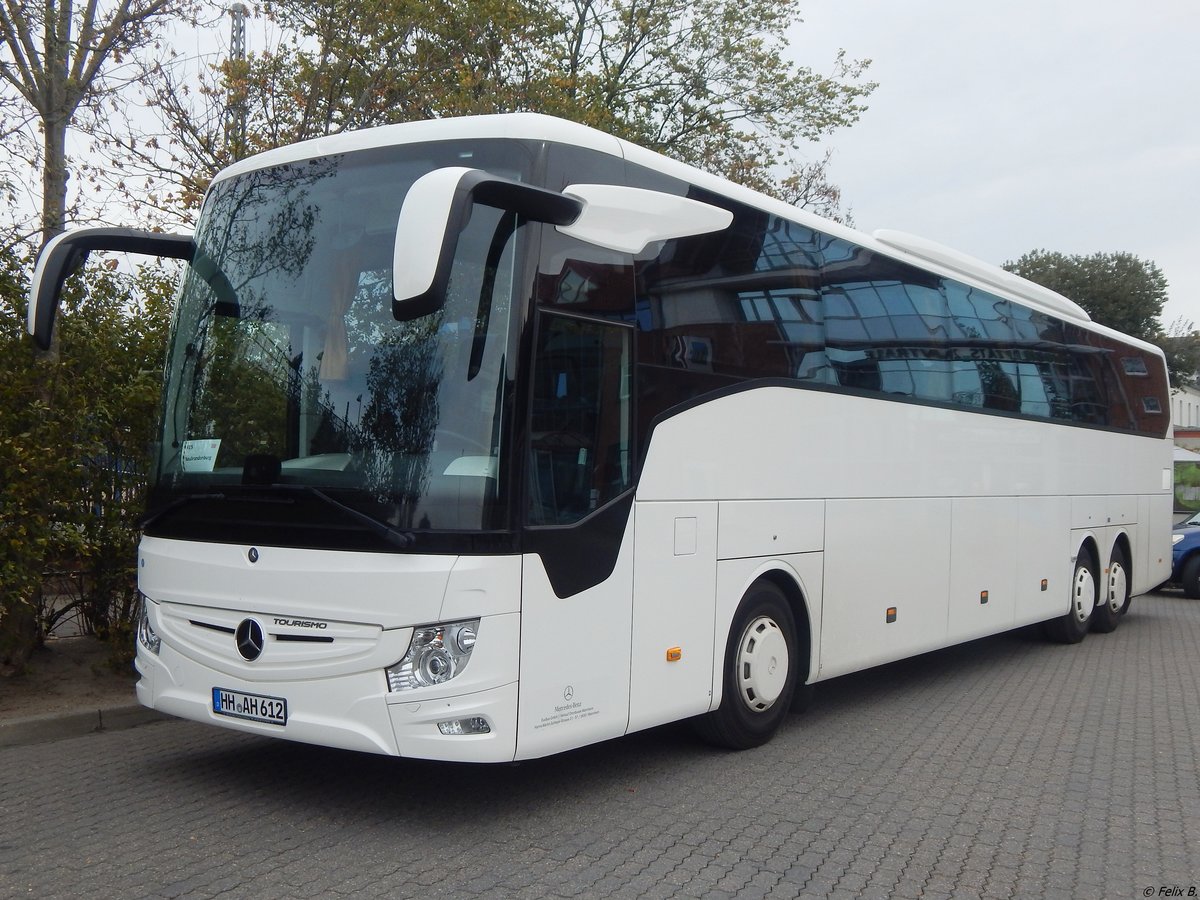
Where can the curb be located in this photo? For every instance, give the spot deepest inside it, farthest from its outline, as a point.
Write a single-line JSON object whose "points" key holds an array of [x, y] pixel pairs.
{"points": [[57, 727]]}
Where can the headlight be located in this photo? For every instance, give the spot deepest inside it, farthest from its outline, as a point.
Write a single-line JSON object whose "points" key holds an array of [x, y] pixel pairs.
{"points": [[436, 654], [145, 634], [1176, 538]]}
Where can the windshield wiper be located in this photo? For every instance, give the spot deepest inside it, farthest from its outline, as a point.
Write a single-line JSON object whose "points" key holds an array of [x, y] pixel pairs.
{"points": [[393, 536], [152, 517]]}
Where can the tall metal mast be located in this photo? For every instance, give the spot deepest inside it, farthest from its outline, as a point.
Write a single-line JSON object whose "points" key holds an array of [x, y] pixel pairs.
{"points": [[235, 112]]}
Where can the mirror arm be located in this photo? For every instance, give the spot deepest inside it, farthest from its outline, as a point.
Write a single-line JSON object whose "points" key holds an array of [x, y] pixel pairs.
{"points": [[438, 207], [436, 210], [66, 253]]}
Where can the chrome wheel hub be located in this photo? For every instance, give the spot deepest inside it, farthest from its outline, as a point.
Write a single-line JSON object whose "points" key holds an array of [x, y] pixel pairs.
{"points": [[1118, 587], [1083, 597], [762, 664]]}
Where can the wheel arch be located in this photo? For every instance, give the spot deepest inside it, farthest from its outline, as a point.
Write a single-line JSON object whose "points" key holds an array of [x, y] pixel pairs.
{"points": [[1089, 545], [1123, 543], [799, 578]]}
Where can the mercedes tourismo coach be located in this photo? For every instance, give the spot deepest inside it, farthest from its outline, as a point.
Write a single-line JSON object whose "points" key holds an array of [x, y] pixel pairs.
{"points": [[486, 438]]}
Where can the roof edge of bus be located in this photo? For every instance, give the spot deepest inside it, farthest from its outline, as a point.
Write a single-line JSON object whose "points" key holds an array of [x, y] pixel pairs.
{"points": [[931, 251], [536, 126]]}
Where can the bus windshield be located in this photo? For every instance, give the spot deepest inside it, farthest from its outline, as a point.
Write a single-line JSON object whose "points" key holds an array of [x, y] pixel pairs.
{"points": [[287, 369]]}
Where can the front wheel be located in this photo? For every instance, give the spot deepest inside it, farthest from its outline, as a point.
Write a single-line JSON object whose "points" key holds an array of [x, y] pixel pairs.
{"points": [[1073, 627], [759, 675]]}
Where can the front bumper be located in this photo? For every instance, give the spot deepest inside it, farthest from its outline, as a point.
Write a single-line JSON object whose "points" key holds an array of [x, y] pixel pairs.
{"points": [[355, 711]]}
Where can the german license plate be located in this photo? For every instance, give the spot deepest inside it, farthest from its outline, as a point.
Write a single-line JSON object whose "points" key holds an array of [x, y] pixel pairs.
{"points": [[255, 707]]}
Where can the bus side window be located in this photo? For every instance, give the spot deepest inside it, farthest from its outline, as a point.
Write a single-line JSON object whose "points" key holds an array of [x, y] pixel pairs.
{"points": [[580, 429]]}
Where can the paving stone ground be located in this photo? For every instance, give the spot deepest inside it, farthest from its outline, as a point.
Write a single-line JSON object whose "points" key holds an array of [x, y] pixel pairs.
{"points": [[1004, 768]]}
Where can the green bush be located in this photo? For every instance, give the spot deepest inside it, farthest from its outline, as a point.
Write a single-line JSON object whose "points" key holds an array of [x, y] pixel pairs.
{"points": [[75, 437]]}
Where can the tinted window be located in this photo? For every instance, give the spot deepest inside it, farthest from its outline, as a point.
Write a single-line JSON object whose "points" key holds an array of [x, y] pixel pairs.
{"points": [[718, 309], [900, 331], [580, 440], [769, 298]]}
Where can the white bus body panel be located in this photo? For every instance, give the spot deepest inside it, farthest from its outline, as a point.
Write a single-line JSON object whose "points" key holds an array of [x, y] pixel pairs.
{"points": [[804, 444], [924, 509], [881, 554], [1152, 550], [574, 658], [984, 535], [674, 589], [1043, 551], [770, 527], [366, 605]]}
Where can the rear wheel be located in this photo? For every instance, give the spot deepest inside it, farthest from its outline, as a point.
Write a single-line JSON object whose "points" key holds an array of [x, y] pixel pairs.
{"points": [[759, 675], [1073, 627], [1115, 597]]}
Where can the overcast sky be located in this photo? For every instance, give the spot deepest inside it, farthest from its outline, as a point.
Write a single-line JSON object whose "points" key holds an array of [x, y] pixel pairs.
{"points": [[997, 128]]}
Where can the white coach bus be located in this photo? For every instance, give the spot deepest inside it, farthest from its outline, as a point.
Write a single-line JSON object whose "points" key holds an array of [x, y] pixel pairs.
{"points": [[487, 438]]}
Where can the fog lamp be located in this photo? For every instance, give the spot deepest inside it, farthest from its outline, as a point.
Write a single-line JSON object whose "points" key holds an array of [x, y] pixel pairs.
{"points": [[473, 725], [435, 655]]}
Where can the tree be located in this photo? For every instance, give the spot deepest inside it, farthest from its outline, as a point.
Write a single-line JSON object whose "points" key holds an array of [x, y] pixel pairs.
{"points": [[26, 460], [1181, 344], [705, 82], [1118, 290], [338, 65], [807, 186], [59, 58]]}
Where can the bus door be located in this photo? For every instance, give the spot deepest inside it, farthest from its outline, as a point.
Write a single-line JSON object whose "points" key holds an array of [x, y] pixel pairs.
{"points": [[577, 569]]}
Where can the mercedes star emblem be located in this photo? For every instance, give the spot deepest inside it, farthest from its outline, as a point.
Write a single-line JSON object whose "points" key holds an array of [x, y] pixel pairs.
{"points": [[249, 637]]}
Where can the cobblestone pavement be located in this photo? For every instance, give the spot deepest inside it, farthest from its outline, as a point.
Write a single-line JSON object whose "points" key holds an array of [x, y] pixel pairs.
{"points": [[1007, 767]]}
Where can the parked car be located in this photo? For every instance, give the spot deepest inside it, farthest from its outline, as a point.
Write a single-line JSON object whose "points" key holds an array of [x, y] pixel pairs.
{"points": [[1185, 555]]}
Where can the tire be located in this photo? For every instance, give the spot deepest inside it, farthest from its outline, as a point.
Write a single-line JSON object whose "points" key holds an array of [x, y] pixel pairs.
{"points": [[1124, 557], [756, 695], [1114, 592], [1189, 579], [802, 698], [1073, 627]]}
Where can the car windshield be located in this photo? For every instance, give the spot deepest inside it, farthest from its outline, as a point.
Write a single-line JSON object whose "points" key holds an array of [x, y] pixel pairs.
{"points": [[287, 367]]}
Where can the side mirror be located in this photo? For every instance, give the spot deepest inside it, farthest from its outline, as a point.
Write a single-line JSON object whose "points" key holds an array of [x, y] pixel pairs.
{"points": [[436, 210], [628, 218], [438, 207], [67, 252]]}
